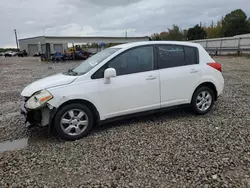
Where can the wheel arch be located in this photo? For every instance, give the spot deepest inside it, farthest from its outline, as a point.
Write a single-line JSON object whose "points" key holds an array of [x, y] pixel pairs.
{"points": [[90, 105], [209, 85]]}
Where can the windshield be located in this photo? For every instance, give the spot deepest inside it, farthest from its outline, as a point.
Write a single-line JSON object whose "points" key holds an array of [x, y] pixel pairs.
{"points": [[94, 60]]}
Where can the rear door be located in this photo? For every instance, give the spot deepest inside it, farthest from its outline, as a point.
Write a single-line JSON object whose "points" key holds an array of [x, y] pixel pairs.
{"points": [[179, 73]]}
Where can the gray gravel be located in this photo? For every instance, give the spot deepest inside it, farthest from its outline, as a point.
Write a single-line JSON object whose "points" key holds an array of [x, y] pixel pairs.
{"points": [[173, 149]]}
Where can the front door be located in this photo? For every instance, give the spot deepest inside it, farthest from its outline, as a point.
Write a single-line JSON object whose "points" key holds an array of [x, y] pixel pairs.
{"points": [[136, 86]]}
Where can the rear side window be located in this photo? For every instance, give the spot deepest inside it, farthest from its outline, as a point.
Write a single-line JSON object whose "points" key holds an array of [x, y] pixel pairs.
{"points": [[170, 56], [175, 56], [191, 54]]}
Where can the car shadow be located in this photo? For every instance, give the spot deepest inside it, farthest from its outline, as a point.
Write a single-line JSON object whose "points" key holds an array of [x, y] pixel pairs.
{"points": [[43, 134], [154, 117]]}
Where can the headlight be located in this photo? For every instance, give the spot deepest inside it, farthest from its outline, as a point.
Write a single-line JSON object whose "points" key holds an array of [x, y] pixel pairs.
{"points": [[38, 99]]}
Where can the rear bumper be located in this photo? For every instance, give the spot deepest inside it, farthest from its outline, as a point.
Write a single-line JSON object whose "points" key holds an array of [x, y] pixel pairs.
{"points": [[220, 89]]}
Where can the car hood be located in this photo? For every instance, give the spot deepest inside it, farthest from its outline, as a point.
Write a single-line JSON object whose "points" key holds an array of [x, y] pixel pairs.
{"points": [[48, 82]]}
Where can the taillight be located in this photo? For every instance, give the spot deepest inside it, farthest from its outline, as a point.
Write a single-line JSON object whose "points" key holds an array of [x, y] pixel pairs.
{"points": [[215, 65]]}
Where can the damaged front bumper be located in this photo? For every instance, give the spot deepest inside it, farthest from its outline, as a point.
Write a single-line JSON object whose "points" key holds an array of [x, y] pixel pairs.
{"points": [[38, 117]]}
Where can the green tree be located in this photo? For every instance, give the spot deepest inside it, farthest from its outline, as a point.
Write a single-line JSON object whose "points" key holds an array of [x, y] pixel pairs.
{"points": [[175, 33], [164, 35], [248, 22], [156, 36], [210, 30], [7, 49], [214, 30], [184, 34], [218, 28], [235, 23], [196, 32]]}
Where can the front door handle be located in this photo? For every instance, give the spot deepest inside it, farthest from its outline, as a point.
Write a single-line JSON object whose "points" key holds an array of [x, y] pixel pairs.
{"points": [[193, 71], [150, 78]]}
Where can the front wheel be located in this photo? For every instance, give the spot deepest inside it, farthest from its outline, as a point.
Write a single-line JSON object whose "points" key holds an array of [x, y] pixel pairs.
{"points": [[73, 121], [203, 100]]}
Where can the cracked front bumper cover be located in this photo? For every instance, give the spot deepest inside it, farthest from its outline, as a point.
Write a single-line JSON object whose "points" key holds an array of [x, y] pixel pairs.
{"points": [[38, 117], [25, 113], [32, 117], [23, 109]]}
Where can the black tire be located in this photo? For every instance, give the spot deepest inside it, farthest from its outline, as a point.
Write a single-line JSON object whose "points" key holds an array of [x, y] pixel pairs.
{"points": [[194, 100], [61, 113]]}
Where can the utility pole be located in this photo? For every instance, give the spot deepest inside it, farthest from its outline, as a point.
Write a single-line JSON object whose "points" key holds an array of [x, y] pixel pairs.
{"points": [[73, 45], [126, 34], [16, 40]]}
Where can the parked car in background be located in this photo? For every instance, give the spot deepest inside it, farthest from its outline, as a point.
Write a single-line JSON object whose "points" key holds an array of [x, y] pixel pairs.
{"points": [[8, 54], [57, 57], [124, 80], [68, 57], [78, 56], [14, 53], [91, 54], [22, 53]]}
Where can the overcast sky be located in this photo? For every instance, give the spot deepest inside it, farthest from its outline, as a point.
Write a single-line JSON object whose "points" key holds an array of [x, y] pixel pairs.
{"points": [[106, 17]]}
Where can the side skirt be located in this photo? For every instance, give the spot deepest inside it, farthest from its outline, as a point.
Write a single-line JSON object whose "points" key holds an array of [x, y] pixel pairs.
{"points": [[141, 114]]}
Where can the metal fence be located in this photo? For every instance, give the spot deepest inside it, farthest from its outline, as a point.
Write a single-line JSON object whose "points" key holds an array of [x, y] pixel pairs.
{"points": [[223, 46]]}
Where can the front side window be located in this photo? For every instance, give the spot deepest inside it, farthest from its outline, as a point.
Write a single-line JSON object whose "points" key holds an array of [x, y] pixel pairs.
{"points": [[170, 56], [94, 60], [133, 61]]}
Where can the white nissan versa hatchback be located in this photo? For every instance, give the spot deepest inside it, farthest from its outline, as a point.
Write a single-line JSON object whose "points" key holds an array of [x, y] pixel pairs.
{"points": [[122, 80]]}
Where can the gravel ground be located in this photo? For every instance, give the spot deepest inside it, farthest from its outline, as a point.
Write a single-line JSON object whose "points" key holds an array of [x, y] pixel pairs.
{"points": [[173, 149]]}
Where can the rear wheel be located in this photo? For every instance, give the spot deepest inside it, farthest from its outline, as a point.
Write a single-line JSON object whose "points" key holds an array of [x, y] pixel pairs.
{"points": [[203, 100], [73, 121]]}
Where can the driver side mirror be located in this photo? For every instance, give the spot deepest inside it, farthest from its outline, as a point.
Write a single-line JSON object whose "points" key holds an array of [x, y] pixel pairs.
{"points": [[109, 73]]}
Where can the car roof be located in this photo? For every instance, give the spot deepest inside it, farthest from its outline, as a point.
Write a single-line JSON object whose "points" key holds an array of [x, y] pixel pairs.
{"points": [[135, 44]]}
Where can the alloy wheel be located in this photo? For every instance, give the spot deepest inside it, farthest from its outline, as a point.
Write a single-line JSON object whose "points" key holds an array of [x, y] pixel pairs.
{"points": [[74, 122], [203, 101]]}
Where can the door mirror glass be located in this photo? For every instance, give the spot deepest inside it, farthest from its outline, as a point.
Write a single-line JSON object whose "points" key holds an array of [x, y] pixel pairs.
{"points": [[109, 73]]}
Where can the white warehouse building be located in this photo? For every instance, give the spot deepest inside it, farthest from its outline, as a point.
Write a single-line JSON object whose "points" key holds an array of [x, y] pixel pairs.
{"points": [[36, 45]]}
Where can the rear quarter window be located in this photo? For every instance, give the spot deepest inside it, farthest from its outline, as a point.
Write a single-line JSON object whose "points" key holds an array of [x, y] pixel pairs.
{"points": [[191, 55]]}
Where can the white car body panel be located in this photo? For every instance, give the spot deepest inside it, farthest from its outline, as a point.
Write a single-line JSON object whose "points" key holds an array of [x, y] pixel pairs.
{"points": [[141, 91], [48, 82], [75, 90], [177, 84], [132, 93], [142, 94]]}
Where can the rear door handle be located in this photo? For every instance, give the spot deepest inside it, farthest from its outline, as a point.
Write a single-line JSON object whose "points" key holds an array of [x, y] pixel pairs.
{"points": [[151, 78], [193, 71]]}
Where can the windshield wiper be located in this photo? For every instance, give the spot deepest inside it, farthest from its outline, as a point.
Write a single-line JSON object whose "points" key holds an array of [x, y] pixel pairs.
{"points": [[71, 72]]}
